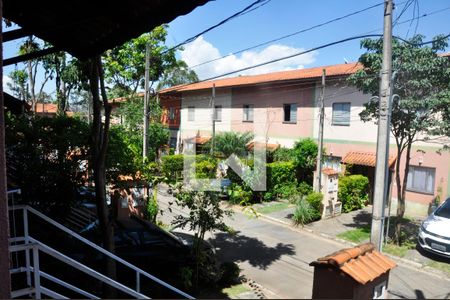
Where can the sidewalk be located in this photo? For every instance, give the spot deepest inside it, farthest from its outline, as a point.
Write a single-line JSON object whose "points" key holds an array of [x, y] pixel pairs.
{"points": [[360, 219]]}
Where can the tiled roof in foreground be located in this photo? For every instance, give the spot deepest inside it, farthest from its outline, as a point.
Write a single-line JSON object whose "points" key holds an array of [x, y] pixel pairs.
{"points": [[334, 70], [363, 263]]}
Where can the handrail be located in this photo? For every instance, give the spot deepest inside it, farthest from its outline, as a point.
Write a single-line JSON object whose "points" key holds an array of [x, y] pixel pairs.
{"points": [[51, 293], [71, 262], [98, 248]]}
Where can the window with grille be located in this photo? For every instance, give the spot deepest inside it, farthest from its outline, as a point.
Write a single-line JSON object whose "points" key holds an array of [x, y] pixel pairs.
{"points": [[290, 113], [248, 113]]}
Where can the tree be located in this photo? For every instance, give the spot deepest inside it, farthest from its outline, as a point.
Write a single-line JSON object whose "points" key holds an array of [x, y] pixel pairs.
{"points": [[421, 82], [177, 74], [29, 46], [227, 143], [305, 156], [125, 65], [19, 84]]}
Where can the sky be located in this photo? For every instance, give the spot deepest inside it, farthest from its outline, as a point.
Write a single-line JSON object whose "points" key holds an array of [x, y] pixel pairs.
{"points": [[282, 17]]}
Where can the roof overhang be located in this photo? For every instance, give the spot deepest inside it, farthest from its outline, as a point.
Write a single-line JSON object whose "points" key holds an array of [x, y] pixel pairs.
{"points": [[88, 28], [365, 159]]}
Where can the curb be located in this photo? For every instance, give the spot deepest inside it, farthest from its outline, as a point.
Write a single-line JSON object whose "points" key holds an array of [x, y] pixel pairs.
{"points": [[403, 261]]}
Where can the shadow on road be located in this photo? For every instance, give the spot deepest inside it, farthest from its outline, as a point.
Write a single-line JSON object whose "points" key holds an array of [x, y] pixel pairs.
{"points": [[361, 219], [238, 247]]}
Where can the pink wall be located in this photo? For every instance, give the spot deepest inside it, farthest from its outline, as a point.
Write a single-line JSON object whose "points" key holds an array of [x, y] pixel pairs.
{"points": [[270, 99], [429, 159]]}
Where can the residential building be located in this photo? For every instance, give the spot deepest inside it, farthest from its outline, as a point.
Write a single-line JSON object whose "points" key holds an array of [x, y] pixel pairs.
{"points": [[281, 108]]}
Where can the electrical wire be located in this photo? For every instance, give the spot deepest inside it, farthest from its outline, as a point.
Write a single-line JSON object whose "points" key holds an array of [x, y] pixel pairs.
{"points": [[291, 34], [242, 12]]}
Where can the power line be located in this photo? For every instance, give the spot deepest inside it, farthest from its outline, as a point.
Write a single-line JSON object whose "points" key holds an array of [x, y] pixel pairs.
{"points": [[291, 34], [242, 12]]}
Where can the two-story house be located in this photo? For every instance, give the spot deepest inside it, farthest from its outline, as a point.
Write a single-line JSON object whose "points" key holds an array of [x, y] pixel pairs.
{"points": [[282, 107]]}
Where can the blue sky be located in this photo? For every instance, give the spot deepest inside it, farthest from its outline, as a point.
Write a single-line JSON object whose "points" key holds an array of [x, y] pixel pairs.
{"points": [[281, 17]]}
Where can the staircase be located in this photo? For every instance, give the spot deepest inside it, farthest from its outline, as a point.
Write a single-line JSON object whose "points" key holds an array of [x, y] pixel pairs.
{"points": [[79, 218], [29, 255]]}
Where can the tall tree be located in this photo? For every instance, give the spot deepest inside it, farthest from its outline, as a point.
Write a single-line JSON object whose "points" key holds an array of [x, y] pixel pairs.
{"points": [[422, 81], [29, 46], [18, 86], [125, 65], [177, 74]]}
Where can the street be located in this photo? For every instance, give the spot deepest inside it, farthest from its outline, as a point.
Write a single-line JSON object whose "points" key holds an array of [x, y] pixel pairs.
{"points": [[277, 257]]}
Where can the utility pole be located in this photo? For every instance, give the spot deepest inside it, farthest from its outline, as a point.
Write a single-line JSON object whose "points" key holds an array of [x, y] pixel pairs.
{"points": [[318, 181], [213, 117], [146, 101], [376, 233]]}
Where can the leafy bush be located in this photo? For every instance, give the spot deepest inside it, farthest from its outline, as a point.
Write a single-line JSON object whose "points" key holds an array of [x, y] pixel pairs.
{"points": [[304, 188], [353, 192], [314, 199], [239, 194], [281, 179], [303, 213], [229, 273], [283, 154], [172, 167], [206, 169], [227, 143], [305, 156], [152, 206]]}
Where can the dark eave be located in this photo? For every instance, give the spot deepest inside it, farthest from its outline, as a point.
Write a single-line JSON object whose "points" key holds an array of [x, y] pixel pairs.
{"points": [[88, 28]]}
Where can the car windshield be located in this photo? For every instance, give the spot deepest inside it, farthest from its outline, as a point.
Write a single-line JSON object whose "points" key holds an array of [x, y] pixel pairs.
{"points": [[443, 210]]}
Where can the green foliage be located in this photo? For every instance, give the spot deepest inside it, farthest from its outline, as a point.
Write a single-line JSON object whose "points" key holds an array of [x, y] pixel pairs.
{"points": [[305, 156], [45, 159], [172, 167], [186, 275], [358, 235], [281, 181], [315, 201], [177, 74], [227, 143], [18, 86], [283, 154], [303, 213], [206, 168], [152, 206], [353, 192], [229, 273], [304, 188], [125, 64], [239, 194]]}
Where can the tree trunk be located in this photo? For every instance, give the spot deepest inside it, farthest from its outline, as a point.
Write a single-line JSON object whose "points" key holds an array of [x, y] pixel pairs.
{"points": [[31, 79], [401, 192], [99, 146]]}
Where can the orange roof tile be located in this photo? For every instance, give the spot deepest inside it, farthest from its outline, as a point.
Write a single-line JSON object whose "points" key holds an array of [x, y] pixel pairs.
{"points": [[334, 70], [363, 263], [199, 140], [329, 171], [365, 159], [269, 147]]}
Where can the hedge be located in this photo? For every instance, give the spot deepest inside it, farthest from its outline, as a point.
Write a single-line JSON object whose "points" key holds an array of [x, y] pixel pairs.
{"points": [[353, 192]]}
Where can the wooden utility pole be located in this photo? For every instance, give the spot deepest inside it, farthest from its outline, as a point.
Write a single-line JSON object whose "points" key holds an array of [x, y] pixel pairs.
{"points": [[213, 118], [146, 102], [376, 233], [318, 181]]}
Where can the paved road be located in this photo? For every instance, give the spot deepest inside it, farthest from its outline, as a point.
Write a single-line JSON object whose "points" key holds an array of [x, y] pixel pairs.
{"points": [[277, 257]]}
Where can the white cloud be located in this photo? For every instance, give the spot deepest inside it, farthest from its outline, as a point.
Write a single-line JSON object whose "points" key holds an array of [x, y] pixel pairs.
{"points": [[200, 51]]}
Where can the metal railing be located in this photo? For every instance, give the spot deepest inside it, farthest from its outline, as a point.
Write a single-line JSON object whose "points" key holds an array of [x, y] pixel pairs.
{"points": [[35, 246]]}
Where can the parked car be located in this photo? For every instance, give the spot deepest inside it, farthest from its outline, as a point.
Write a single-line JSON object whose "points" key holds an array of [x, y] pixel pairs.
{"points": [[434, 234]]}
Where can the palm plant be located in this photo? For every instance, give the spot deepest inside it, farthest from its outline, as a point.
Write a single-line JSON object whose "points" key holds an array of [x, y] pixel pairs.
{"points": [[227, 143]]}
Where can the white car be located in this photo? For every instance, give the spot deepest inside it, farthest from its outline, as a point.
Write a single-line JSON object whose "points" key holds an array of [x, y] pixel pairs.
{"points": [[434, 234]]}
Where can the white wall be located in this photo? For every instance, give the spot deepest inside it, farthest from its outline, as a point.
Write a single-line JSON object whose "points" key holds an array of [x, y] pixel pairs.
{"points": [[202, 122]]}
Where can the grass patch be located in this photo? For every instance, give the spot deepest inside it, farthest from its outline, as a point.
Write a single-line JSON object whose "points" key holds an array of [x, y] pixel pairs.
{"points": [[270, 208], [444, 267], [356, 235], [234, 290], [393, 249]]}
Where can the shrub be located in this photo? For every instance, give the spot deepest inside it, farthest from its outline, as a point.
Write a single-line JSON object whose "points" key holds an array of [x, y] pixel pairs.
{"points": [[303, 213], [206, 169], [283, 154], [353, 192], [172, 167], [239, 194], [305, 155], [229, 273], [314, 199], [304, 188], [281, 179]]}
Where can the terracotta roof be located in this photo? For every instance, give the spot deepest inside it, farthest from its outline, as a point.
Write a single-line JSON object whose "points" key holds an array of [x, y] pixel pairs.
{"points": [[269, 147], [334, 70], [329, 171], [199, 140], [49, 108], [363, 263], [365, 159]]}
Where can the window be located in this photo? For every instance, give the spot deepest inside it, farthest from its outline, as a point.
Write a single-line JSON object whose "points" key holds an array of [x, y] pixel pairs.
{"points": [[171, 113], [333, 162], [191, 113], [248, 113], [421, 179], [341, 114], [290, 113], [218, 113]]}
